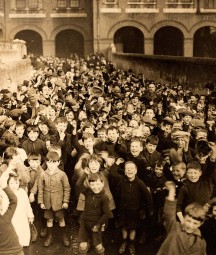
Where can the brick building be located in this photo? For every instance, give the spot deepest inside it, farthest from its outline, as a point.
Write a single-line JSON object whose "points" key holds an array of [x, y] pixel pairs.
{"points": [[153, 27]]}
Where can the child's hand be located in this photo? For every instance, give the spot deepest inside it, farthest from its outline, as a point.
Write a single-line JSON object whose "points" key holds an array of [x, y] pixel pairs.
{"points": [[62, 135], [170, 185], [119, 161], [65, 206], [42, 206], [31, 198], [86, 170], [95, 228], [31, 220]]}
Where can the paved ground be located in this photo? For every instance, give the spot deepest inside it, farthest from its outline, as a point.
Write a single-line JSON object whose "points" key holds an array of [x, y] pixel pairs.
{"points": [[111, 243]]}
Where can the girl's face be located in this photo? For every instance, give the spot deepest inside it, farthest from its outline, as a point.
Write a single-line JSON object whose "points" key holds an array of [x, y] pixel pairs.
{"points": [[94, 166], [13, 184]]}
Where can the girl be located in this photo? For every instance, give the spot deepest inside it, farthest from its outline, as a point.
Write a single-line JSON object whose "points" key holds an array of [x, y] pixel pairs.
{"points": [[11, 158], [23, 215]]}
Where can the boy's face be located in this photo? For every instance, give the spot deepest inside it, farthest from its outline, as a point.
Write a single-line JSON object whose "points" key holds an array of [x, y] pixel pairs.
{"points": [[94, 166], [178, 172], [96, 186], [112, 135], [133, 123], [88, 143], [102, 135], [13, 184], [135, 148], [191, 224], [187, 119], [149, 114], [33, 135], [158, 171], [88, 130], [52, 165], [193, 175], [20, 131], [130, 171], [61, 127], [69, 116], [43, 128], [151, 147], [180, 142], [34, 163], [145, 132]]}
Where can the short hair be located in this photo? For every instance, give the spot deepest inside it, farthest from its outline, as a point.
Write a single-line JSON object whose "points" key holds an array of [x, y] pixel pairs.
{"points": [[20, 124], [160, 163], [54, 147], [52, 155], [196, 211], [87, 136], [112, 128], [94, 157], [33, 128], [194, 165], [93, 177], [153, 139], [34, 156], [61, 120], [182, 165], [8, 123], [9, 153], [130, 162], [136, 140], [10, 139]]}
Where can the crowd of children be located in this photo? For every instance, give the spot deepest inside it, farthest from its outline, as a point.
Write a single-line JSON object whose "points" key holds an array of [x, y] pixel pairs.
{"points": [[128, 152]]}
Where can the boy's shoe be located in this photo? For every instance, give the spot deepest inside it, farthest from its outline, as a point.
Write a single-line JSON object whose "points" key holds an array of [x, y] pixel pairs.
{"points": [[43, 232], [122, 248], [65, 240], [48, 241], [132, 250]]}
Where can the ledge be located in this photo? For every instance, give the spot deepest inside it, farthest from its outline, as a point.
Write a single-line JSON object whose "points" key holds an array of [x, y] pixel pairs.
{"points": [[68, 15], [179, 10], [110, 10], [27, 15], [141, 10], [202, 10]]}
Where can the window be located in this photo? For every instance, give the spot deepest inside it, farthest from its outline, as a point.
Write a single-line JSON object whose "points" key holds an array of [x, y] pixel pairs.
{"points": [[110, 3], [62, 3], [33, 4], [74, 3], [210, 4], [20, 4]]}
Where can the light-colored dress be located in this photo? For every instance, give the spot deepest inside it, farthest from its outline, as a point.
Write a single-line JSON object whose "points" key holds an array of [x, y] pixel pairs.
{"points": [[21, 215]]}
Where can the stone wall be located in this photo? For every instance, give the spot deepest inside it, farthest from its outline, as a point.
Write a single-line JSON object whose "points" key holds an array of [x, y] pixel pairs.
{"points": [[14, 67], [192, 72]]}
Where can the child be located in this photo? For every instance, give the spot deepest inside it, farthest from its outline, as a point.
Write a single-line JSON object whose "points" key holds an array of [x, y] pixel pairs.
{"points": [[182, 238], [131, 190], [94, 216], [34, 144], [34, 171], [9, 243], [197, 188], [23, 215], [208, 228], [53, 196], [94, 165], [150, 153]]}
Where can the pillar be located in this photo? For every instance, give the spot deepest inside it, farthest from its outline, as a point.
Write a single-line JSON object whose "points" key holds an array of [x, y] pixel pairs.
{"points": [[149, 46], [49, 48], [188, 47]]}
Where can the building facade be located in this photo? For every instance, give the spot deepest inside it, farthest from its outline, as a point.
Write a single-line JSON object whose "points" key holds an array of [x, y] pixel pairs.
{"points": [[152, 27]]}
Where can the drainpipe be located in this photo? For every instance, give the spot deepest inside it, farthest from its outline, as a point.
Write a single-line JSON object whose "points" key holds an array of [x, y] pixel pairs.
{"points": [[198, 7], [98, 25], [5, 23]]}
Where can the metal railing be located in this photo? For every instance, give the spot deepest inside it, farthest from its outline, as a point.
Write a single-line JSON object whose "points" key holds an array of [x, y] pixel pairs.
{"points": [[110, 4], [142, 4], [180, 4]]}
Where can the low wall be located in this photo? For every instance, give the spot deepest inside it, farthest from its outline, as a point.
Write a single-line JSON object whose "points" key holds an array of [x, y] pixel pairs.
{"points": [[14, 68], [193, 72]]}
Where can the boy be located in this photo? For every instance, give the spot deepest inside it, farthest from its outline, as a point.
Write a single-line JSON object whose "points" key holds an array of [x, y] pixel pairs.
{"points": [[182, 238], [150, 153], [132, 191], [198, 188], [9, 243], [94, 216], [53, 196], [34, 144]]}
